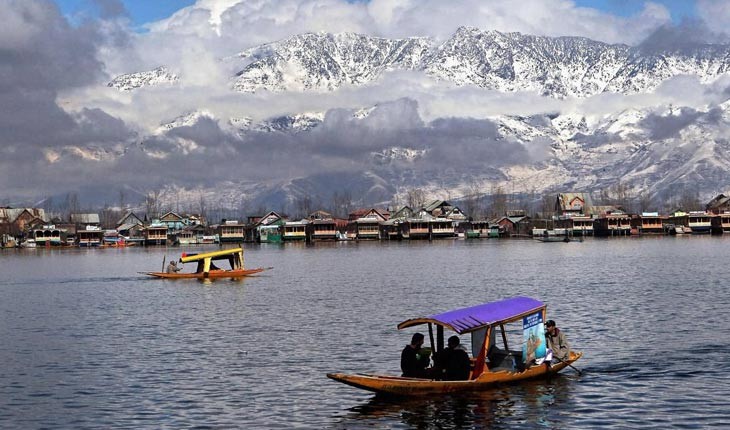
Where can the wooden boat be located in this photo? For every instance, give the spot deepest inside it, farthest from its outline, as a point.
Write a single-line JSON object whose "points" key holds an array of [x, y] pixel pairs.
{"points": [[207, 269], [491, 365]]}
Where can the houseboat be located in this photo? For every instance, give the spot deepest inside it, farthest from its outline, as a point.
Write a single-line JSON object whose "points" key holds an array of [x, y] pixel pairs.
{"points": [[721, 223], [612, 224], [577, 225], [324, 230], [92, 236], [295, 231], [231, 231], [649, 223], [269, 233], [441, 228], [155, 234], [49, 235], [700, 222]]}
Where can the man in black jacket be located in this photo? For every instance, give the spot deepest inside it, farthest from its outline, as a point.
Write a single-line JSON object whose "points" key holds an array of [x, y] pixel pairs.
{"points": [[413, 361], [453, 362]]}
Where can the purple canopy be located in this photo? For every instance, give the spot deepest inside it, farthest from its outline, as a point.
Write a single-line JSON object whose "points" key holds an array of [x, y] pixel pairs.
{"points": [[469, 319]]}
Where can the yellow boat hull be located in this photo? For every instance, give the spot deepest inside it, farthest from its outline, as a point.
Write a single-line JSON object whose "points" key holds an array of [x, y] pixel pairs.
{"points": [[402, 386]]}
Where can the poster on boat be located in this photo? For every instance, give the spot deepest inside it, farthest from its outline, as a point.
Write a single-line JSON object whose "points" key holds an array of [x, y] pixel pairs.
{"points": [[533, 337]]}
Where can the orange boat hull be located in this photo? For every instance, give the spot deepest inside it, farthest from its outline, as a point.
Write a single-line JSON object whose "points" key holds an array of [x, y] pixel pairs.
{"points": [[212, 274], [397, 385]]}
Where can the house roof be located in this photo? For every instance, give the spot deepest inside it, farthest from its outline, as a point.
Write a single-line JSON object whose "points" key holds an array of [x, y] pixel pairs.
{"points": [[171, 216], [125, 218], [8, 215]]}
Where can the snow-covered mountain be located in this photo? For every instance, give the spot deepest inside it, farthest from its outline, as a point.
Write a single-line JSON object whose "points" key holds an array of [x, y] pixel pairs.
{"points": [[657, 151], [132, 81], [552, 66]]}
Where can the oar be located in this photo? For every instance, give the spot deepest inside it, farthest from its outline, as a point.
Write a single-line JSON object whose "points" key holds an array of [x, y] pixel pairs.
{"points": [[569, 365]]}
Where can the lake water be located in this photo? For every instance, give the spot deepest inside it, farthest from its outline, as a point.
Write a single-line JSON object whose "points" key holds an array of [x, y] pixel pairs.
{"points": [[87, 342]]}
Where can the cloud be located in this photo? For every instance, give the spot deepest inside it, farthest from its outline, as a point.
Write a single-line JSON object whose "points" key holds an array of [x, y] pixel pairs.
{"points": [[687, 37], [715, 14]]}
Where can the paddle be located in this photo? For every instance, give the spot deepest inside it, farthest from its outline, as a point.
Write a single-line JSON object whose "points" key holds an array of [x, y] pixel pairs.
{"points": [[569, 365]]}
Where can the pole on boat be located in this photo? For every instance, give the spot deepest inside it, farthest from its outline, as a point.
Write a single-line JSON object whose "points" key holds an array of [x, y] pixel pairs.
{"points": [[570, 365], [163, 263], [430, 336]]}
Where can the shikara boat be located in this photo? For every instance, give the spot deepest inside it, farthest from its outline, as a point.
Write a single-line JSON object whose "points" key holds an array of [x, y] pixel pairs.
{"points": [[493, 362], [207, 269]]}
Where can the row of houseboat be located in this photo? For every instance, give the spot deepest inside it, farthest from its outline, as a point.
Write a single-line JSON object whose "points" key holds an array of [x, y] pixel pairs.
{"points": [[435, 220]]}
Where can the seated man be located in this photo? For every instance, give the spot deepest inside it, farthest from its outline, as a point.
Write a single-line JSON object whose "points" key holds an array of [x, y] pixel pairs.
{"points": [[414, 361], [556, 341], [172, 267], [453, 362]]}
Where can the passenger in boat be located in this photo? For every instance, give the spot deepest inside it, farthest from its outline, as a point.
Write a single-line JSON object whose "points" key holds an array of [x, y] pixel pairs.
{"points": [[556, 341], [413, 362], [453, 363], [172, 267]]}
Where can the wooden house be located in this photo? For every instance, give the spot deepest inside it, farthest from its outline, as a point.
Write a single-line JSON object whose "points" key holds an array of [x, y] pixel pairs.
{"points": [[155, 234], [16, 221], [173, 221], [444, 209], [364, 224], [718, 205], [191, 235], [91, 236], [323, 226], [514, 225], [268, 228], [573, 204], [612, 222]]}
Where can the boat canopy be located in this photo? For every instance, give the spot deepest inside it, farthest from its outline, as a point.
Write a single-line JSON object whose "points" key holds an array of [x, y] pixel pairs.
{"points": [[473, 318], [216, 255]]}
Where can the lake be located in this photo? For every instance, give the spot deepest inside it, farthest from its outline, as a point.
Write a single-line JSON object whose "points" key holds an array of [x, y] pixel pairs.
{"points": [[88, 342]]}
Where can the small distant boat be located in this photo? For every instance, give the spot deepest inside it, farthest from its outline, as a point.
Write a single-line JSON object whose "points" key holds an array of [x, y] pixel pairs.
{"points": [[207, 269], [553, 238], [492, 364], [28, 243]]}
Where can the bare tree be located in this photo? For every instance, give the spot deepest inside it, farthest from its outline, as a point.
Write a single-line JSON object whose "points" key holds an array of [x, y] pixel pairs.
{"points": [[689, 200], [304, 206], [342, 203], [498, 205], [202, 207], [416, 198], [72, 204], [474, 202], [152, 203], [645, 202]]}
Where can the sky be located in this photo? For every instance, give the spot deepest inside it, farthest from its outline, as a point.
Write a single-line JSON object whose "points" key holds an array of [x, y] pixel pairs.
{"points": [[145, 11], [68, 130]]}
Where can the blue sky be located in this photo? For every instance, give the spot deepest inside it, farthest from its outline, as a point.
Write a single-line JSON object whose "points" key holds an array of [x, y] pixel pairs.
{"points": [[679, 8], [144, 11]]}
